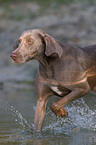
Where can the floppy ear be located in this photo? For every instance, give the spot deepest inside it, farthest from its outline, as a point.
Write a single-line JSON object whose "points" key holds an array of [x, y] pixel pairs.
{"points": [[52, 46]]}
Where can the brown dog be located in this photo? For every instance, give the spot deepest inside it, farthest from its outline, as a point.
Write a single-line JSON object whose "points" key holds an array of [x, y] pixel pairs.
{"points": [[65, 70]]}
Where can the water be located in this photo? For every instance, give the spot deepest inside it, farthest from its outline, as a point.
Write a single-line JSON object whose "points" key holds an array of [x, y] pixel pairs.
{"points": [[17, 110]]}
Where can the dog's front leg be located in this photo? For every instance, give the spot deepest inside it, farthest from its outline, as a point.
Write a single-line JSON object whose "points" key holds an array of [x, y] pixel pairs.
{"points": [[40, 114], [75, 94], [43, 93]]}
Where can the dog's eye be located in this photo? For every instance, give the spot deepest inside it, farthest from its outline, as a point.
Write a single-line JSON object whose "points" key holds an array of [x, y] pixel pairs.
{"points": [[16, 44], [19, 41], [30, 41]]}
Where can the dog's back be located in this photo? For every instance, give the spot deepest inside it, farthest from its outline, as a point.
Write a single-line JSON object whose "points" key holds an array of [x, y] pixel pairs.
{"points": [[91, 51]]}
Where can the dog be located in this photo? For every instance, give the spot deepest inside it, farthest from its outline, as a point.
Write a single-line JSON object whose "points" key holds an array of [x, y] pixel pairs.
{"points": [[65, 70]]}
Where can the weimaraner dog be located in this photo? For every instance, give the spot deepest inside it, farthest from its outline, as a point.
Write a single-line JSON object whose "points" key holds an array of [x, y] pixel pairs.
{"points": [[67, 71]]}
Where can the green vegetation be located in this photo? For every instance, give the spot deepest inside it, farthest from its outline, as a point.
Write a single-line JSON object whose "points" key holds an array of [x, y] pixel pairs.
{"points": [[45, 2], [12, 8]]}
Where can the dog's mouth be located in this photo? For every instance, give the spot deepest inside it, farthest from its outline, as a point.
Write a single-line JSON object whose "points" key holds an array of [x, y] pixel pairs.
{"points": [[13, 56]]}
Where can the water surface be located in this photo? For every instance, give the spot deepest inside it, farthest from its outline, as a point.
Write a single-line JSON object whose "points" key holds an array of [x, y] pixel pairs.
{"points": [[17, 110]]}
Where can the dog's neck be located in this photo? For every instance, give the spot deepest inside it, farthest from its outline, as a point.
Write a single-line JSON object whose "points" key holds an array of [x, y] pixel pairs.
{"points": [[46, 60], [43, 59]]}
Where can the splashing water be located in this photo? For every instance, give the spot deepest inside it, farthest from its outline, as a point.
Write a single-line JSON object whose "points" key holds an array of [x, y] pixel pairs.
{"points": [[80, 116], [22, 121]]}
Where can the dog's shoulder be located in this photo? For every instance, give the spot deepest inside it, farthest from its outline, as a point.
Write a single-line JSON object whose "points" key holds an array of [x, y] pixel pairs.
{"points": [[72, 51]]}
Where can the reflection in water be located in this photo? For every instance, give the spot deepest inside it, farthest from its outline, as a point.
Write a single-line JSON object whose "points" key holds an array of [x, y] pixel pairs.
{"points": [[17, 110]]}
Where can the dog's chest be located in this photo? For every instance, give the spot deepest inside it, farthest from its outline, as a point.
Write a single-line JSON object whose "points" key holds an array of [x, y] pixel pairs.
{"points": [[56, 90]]}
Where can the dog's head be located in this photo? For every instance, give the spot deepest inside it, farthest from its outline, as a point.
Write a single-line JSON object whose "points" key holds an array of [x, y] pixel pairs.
{"points": [[32, 44]]}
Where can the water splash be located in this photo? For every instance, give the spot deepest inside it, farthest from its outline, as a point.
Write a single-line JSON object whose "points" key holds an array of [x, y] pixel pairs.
{"points": [[21, 120], [80, 116]]}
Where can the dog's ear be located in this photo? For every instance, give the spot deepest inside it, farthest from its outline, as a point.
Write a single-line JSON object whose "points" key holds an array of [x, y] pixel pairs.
{"points": [[52, 46]]}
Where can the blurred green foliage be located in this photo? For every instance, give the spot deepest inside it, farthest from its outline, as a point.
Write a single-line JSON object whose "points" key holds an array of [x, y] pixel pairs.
{"points": [[17, 14], [45, 2]]}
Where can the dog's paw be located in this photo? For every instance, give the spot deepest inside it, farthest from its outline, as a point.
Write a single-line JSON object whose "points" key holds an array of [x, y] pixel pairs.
{"points": [[62, 112]]}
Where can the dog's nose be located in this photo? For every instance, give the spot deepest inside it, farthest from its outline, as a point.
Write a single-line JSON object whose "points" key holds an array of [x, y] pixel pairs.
{"points": [[13, 56]]}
